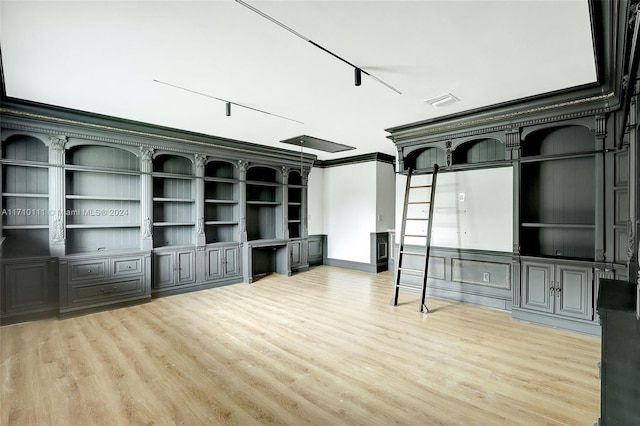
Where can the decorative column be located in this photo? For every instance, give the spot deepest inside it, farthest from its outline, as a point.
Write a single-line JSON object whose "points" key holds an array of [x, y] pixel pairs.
{"points": [[200, 161], [512, 142], [57, 216], [601, 134], [146, 198], [242, 198], [303, 212], [284, 205]]}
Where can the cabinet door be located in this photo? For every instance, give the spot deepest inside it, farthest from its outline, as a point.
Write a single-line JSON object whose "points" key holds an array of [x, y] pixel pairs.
{"points": [[537, 282], [573, 292], [231, 261], [27, 287], [296, 253], [186, 267], [214, 263], [164, 270]]}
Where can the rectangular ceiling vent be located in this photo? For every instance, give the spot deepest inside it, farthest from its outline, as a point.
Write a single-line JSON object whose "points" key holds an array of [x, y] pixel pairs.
{"points": [[317, 143], [442, 100]]}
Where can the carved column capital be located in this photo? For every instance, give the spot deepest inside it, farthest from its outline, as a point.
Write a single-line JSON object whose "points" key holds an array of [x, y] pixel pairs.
{"points": [[57, 142], [146, 154], [243, 165], [200, 160]]}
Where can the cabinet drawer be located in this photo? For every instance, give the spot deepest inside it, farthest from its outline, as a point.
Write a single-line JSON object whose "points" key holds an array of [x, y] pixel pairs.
{"points": [[83, 270], [97, 292], [126, 266]]}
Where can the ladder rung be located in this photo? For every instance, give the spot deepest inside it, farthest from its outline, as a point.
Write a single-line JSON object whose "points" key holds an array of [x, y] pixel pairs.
{"points": [[409, 287], [415, 235], [417, 218], [421, 186], [412, 271], [419, 202], [415, 253]]}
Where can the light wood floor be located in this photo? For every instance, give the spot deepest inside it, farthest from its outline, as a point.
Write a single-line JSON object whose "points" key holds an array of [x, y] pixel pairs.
{"points": [[323, 347]]}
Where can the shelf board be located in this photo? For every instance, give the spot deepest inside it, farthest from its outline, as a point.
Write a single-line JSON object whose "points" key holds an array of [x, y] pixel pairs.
{"points": [[18, 227], [295, 203], [295, 186], [171, 175], [220, 179], [264, 203], [24, 163], [214, 201], [102, 225], [173, 200], [24, 195], [92, 169], [557, 225], [260, 183], [295, 221], [551, 157], [100, 198], [173, 224], [221, 222]]}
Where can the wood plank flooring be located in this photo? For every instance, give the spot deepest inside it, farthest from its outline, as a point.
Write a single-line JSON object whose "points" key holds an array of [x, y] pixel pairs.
{"points": [[322, 348]]}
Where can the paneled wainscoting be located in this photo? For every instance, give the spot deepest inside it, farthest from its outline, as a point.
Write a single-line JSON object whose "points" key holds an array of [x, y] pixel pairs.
{"points": [[323, 347]]}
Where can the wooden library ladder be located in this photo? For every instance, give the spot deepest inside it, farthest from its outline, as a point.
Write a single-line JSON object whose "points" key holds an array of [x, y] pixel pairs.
{"points": [[423, 234]]}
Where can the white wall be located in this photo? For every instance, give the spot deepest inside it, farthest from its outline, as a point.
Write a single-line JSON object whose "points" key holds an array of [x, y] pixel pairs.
{"points": [[385, 196], [315, 205], [350, 210], [483, 221]]}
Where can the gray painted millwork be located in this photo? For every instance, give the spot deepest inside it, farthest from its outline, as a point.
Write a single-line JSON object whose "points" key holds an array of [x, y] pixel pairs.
{"points": [[575, 178], [120, 211]]}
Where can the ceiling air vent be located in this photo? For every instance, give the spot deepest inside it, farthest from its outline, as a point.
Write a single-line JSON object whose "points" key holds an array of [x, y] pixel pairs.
{"points": [[442, 100]]}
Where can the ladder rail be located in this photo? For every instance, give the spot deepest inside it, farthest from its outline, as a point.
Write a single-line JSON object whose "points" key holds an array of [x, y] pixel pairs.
{"points": [[401, 251], [403, 228], [423, 306]]}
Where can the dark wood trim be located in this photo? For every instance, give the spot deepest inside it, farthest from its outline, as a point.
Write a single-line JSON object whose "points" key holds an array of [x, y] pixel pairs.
{"points": [[364, 158]]}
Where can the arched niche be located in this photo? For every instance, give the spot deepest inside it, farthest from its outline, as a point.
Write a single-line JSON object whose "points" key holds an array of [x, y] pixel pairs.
{"points": [[561, 140], [264, 174], [172, 163], [425, 159], [220, 169], [479, 151], [25, 148], [295, 178], [101, 156]]}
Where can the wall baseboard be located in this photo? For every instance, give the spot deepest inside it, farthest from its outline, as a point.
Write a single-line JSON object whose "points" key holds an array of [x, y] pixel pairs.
{"points": [[347, 264]]}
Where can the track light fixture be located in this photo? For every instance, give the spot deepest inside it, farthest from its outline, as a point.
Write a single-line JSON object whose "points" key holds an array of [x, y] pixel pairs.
{"points": [[358, 71], [228, 103]]}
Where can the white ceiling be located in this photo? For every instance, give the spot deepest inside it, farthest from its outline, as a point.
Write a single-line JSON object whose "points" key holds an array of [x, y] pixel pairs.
{"points": [[103, 57]]}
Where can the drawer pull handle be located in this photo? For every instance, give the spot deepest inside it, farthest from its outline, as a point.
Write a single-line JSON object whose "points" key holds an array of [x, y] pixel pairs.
{"points": [[129, 267], [109, 290], [88, 271]]}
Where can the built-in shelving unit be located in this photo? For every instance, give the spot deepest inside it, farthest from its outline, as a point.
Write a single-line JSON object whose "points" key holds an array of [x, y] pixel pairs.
{"points": [[25, 197], [173, 201], [264, 203], [99, 213], [221, 198], [295, 204], [102, 199], [558, 198]]}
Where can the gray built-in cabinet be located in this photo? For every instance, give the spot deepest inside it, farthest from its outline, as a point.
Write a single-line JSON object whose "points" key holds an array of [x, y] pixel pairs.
{"points": [[570, 209], [100, 212]]}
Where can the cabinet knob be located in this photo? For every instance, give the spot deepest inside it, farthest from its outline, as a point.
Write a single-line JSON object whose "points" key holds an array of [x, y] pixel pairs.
{"points": [[552, 289]]}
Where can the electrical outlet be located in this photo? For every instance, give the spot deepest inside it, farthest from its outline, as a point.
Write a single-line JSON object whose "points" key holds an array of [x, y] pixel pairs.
{"points": [[461, 197], [486, 277]]}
